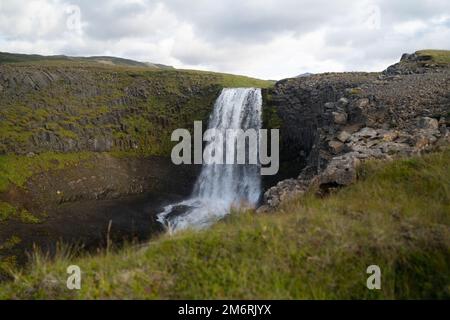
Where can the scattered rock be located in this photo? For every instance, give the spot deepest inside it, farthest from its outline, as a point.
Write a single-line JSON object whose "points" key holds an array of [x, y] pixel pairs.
{"points": [[340, 171], [343, 136], [362, 103], [336, 146], [389, 136], [284, 190], [428, 123], [339, 117], [365, 133], [424, 140], [407, 56], [329, 105], [343, 102]]}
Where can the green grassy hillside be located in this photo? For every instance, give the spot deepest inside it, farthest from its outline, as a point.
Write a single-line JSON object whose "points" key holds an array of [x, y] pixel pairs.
{"points": [[437, 56], [57, 111], [6, 57], [396, 216], [77, 105], [61, 105]]}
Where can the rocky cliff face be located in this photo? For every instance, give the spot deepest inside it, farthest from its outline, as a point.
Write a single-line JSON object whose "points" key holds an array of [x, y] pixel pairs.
{"points": [[67, 109], [331, 122], [122, 116], [74, 131], [71, 106]]}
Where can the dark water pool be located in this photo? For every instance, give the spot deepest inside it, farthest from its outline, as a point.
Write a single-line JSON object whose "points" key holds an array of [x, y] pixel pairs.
{"points": [[86, 224]]}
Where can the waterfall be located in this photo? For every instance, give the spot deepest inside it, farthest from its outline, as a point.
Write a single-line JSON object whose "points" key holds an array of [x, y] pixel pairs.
{"points": [[220, 187]]}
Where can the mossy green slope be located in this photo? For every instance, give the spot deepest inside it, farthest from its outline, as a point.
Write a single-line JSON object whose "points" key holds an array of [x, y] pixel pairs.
{"points": [[68, 106], [15, 170], [60, 108], [437, 56], [396, 216], [55, 110]]}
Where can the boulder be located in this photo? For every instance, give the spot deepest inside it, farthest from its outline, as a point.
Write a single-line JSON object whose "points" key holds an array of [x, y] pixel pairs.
{"points": [[336, 146], [284, 190], [343, 102], [366, 133], [428, 123], [339, 117], [329, 105], [387, 148], [408, 56], [362, 103], [389, 136], [343, 136], [424, 140], [340, 171]]}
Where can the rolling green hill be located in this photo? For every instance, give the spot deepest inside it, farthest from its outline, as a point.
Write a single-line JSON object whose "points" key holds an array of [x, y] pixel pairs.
{"points": [[6, 57]]}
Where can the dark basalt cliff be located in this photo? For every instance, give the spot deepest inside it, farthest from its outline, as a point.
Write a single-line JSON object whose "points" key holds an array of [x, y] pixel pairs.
{"points": [[330, 122], [67, 107], [54, 107]]}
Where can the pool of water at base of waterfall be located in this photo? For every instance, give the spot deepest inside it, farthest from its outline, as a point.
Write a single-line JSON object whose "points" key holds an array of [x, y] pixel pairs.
{"points": [[85, 224]]}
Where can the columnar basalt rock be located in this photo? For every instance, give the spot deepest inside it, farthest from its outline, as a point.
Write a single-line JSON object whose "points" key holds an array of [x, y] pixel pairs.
{"points": [[71, 108]]}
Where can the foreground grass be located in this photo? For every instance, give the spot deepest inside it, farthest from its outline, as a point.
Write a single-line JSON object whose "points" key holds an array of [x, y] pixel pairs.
{"points": [[396, 216]]}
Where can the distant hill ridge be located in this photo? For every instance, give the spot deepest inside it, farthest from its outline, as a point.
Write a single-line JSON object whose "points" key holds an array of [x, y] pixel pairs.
{"points": [[6, 57]]}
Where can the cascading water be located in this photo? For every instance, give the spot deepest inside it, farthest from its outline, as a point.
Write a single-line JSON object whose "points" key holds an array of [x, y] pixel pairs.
{"points": [[222, 186]]}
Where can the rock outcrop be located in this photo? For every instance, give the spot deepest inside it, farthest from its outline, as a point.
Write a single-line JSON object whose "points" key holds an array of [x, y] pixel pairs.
{"points": [[332, 122]]}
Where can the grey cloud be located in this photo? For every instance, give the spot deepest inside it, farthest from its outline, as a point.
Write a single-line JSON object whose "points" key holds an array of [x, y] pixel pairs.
{"points": [[253, 21], [112, 21], [258, 38]]}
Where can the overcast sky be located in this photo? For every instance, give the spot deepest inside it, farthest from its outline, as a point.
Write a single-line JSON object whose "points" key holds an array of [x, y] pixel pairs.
{"points": [[270, 39]]}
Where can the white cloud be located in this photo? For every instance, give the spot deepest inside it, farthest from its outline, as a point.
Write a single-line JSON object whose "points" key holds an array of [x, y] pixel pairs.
{"points": [[265, 38], [409, 28]]}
